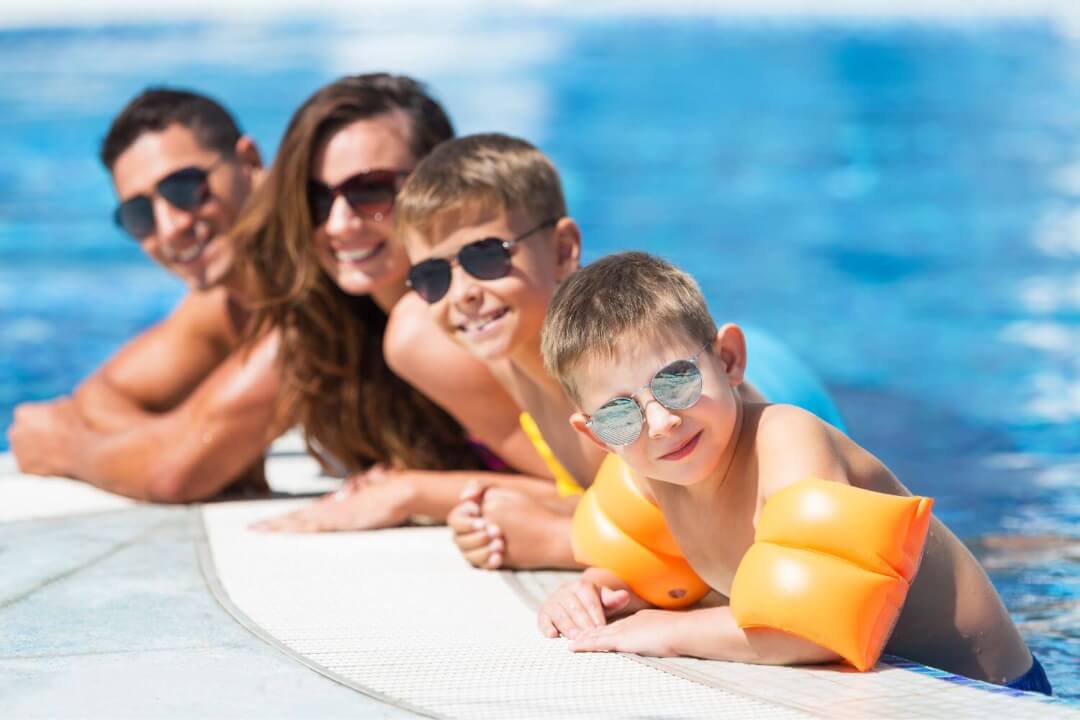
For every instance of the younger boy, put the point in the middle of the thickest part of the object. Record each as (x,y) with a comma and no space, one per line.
(631,332)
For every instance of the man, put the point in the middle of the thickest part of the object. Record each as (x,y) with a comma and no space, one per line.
(181,412)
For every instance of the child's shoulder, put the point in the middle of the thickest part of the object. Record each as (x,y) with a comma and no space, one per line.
(786,424)
(790,444)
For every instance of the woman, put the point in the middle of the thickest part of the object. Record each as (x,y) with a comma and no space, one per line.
(325,272)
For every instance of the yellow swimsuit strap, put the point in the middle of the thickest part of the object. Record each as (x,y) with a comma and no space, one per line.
(564,481)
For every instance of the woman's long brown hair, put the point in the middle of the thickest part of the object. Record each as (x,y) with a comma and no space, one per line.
(336,383)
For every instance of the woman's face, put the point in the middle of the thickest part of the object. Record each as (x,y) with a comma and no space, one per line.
(356,247)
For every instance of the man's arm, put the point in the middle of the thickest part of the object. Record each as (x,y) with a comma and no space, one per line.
(197,449)
(161,367)
(188,453)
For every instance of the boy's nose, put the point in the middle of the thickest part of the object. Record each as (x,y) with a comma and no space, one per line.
(464,291)
(661,420)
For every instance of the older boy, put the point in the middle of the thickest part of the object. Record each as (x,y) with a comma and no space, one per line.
(632,342)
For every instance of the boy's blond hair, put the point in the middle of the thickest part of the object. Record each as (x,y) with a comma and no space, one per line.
(472,174)
(622,294)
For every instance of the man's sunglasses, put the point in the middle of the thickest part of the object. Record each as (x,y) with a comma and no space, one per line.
(185,189)
(486,259)
(676,386)
(370,194)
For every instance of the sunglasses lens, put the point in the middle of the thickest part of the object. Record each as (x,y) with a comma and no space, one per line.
(618,422)
(678,385)
(320,200)
(136,216)
(371,194)
(486,259)
(430,279)
(184,189)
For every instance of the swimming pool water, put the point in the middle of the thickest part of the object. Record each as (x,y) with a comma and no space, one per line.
(898,202)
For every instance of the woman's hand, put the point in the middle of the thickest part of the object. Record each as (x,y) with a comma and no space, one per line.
(377,498)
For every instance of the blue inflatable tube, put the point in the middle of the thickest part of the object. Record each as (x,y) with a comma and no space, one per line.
(778,374)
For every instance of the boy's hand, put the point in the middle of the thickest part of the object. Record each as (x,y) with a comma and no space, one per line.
(479,541)
(646,632)
(579,607)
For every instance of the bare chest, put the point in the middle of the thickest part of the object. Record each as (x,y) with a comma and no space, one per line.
(713,542)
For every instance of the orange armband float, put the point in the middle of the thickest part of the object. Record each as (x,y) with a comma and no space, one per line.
(616,527)
(832,564)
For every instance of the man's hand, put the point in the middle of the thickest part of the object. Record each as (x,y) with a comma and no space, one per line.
(46,437)
(375,499)
(646,632)
(579,607)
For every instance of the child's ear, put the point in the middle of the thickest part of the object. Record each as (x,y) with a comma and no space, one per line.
(730,347)
(567,236)
(579,422)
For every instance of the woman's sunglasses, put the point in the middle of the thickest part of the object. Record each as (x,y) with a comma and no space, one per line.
(370,194)
(486,259)
(186,189)
(676,386)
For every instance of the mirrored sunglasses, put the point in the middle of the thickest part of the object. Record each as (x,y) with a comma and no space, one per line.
(676,386)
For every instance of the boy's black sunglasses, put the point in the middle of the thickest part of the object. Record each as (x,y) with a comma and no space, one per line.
(370,194)
(184,189)
(486,259)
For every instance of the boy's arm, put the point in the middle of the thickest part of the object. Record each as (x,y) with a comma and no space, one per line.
(189,453)
(421,354)
(709,633)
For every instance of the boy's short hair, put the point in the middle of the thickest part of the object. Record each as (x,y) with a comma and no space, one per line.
(622,294)
(154,109)
(475,172)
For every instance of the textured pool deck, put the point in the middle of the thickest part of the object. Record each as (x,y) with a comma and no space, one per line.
(105,613)
(113,609)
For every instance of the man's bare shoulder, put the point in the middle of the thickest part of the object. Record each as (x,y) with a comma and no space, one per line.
(211,316)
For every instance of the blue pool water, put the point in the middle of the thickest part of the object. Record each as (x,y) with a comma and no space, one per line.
(898,202)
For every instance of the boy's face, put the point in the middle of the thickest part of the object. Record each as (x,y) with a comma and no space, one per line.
(493,319)
(190,242)
(683,447)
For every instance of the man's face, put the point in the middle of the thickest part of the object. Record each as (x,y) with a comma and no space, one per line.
(192,243)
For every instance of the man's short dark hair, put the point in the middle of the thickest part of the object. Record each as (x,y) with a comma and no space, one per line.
(154,109)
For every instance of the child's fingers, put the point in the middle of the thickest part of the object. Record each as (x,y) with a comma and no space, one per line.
(577,613)
(561,619)
(467,542)
(463,517)
(599,640)
(613,600)
(546,627)
(473,491)
(590,604)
